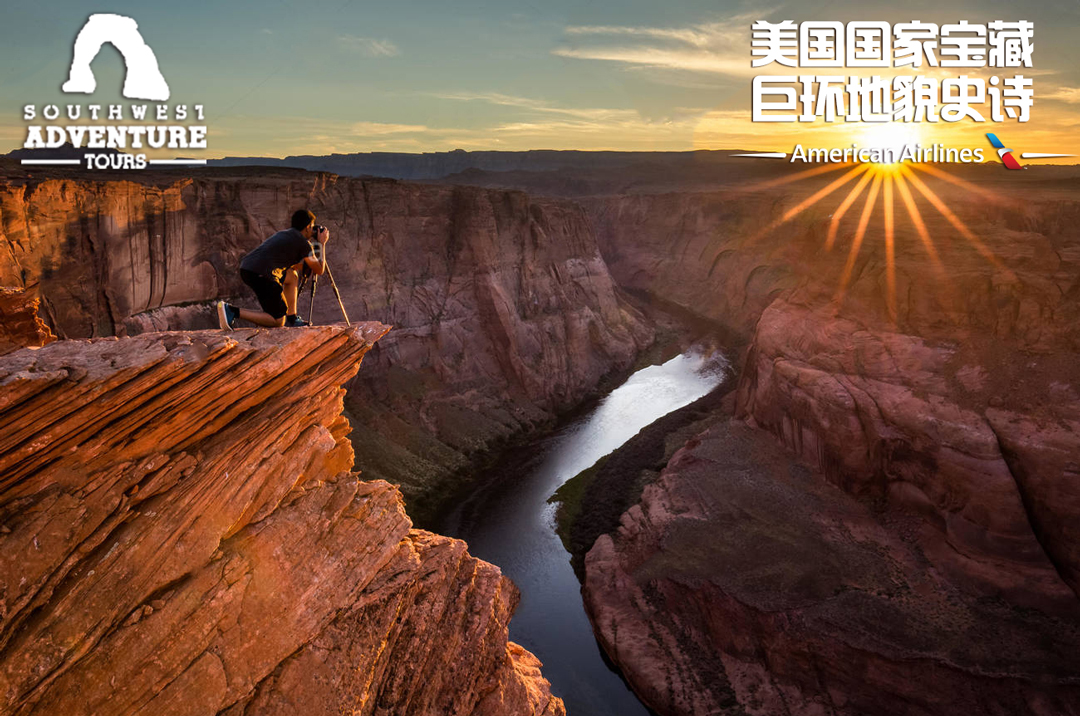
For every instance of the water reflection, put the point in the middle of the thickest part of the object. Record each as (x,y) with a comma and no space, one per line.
(510,523)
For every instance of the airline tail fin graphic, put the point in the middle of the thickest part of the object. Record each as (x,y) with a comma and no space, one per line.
(1006,154)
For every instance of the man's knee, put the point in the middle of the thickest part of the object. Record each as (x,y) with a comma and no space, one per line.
(279,322)
(291,278)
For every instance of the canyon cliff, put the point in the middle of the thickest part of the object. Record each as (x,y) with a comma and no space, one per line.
(504,311)
(880,518)
(915,551)
(182,533)
(20,324)
(439,165)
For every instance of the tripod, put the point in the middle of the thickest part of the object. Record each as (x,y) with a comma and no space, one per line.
(333,284)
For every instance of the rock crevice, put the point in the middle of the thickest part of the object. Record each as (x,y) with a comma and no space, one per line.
(182,534)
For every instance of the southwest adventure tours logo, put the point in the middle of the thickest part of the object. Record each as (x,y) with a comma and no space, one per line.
(111,129)
(891,110)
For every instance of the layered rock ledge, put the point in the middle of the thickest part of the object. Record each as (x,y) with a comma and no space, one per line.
(504,311)
(181,533)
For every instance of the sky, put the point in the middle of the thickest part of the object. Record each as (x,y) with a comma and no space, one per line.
(282,77)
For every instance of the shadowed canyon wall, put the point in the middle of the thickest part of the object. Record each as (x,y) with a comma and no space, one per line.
(929,374)
(503,309)
(20,324)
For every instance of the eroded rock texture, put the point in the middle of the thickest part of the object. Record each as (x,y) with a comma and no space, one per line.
(744,583)
(504,311)
(20,325)
(181,533)
(928,377)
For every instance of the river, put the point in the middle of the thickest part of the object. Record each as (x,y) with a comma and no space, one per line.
(509,522)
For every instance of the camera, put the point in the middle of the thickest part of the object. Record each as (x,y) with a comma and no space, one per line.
(316,245)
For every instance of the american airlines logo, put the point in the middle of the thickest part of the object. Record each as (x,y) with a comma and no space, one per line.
(1007,157)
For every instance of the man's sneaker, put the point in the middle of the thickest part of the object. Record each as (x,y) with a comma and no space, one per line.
(227,315)
(295,322)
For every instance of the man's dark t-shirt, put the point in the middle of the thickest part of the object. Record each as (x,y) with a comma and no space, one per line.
(277,253)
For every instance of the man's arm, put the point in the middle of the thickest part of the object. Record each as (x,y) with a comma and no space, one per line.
(318,266)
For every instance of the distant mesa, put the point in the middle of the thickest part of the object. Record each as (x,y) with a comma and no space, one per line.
(143,79)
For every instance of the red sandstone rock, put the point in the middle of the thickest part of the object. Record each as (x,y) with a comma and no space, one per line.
(957,403)
(182,534)
(725,255)
(948,406)
(504,310)
(20,325)
(874,411)
(742,583)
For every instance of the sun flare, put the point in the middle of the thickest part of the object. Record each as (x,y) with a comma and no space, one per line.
(890,135)
(896,186)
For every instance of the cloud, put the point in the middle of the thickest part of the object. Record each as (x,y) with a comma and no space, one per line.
(266,31)
(584,127)
(689,36)
(378,129)
(1064,94)
(11,137)
(538,124)
(713,47)
(659,57)
(537,105)
(369,46)
(721,47)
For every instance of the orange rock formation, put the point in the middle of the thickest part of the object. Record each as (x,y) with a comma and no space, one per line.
(182,534)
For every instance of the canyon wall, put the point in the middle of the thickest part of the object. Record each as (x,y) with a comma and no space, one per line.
(181,533)
(743,583)
(436,165)
(924,368)
(504,311)
(20,324)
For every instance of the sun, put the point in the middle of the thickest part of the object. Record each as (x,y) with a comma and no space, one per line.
(890,135)
(897,185)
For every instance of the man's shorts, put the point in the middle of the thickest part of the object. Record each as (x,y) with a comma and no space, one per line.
(268,291)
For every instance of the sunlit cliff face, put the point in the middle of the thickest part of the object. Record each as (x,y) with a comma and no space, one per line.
(893,184)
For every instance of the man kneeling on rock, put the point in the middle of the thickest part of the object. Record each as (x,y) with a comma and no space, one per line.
(273,272)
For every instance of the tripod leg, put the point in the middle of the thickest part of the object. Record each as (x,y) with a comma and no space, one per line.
(311,305)
(337,293)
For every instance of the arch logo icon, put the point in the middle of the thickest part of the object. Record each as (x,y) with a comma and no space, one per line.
(114,136)
(144,79)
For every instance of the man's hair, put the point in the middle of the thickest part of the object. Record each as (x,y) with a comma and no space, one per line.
(301,219)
